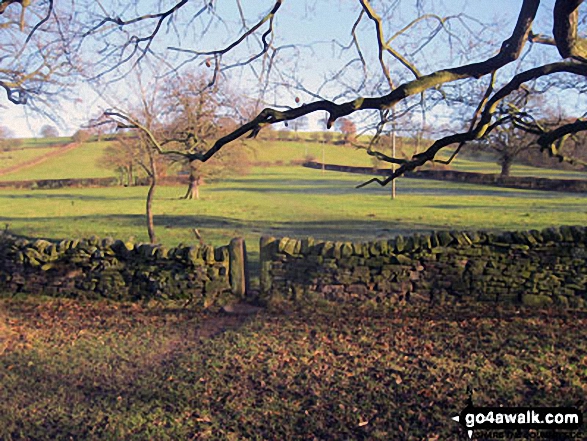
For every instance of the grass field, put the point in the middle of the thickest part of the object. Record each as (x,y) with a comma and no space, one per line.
(98,370)
(286,201)
(283,153)
(44,142)
(488,165)
(81,162)
(71,370)
(15,157)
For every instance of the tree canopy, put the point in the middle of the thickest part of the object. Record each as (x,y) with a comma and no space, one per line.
(396,60)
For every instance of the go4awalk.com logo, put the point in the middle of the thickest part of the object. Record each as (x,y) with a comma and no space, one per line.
(544,422)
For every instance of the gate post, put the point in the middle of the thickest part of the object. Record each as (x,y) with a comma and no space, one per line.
(265,261)
(239,278)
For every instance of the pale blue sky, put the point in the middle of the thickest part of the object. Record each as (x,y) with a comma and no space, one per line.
(300,22)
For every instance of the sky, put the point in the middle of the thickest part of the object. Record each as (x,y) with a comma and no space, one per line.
(300,22)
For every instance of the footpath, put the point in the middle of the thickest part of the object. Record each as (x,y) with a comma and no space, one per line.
(40,159)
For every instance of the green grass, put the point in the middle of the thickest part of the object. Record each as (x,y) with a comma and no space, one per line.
(72,370)
(284,201)
(81,162)
(278,152)
(487,163)
(16,157)
(283,153)
(277,200)
(43,142)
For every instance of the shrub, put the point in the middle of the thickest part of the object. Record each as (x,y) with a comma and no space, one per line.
(81,136)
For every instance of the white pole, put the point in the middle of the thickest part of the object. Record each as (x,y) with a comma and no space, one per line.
(393,156)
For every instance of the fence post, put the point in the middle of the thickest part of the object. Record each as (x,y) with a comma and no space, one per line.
(265,263)
(238,267)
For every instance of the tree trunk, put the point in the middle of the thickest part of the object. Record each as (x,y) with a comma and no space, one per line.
(130,175)
(194,185)
(193,189)
(506,165)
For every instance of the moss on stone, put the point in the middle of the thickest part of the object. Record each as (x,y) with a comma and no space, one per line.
(536,300)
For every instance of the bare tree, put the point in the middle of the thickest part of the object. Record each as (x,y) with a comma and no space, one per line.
(123,155)
(81,136)
(196,114)
(142,146)
(6,140)
(297,125)
(49,131)
(153,174)
(414,67)
(36,59)
(348,130)
(508,142)
(327,137)
(191,114)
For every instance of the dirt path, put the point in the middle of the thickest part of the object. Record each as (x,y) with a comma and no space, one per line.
(40,159)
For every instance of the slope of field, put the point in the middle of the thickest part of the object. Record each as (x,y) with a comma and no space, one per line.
(44,142)
(81,162)
(487,164)
(12,159)
(284,153)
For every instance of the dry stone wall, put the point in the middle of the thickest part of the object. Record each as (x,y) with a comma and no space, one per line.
(51,184)
(115,269)
(523,182)
(539,268)
(55,184)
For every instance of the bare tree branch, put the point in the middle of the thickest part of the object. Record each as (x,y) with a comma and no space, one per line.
(548,140)
(267,18)
(510,50)
(484,123)
(566,19)
(40,23)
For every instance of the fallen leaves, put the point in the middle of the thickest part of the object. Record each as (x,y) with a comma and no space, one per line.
(324,374)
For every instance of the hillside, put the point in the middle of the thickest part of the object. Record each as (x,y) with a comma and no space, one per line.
(78,162)
(49,159)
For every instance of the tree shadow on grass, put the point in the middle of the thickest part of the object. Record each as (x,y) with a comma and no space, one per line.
(404,186)
(356,229)
(66,196)
(118,364)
